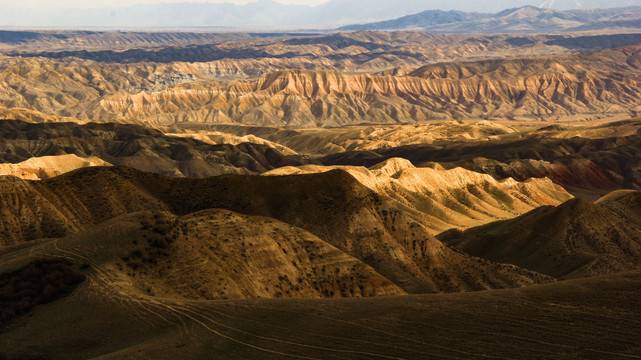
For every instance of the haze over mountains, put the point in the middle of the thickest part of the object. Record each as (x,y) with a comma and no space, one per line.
(527,19)
(263,13)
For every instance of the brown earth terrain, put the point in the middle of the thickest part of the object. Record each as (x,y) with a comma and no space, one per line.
(373,228)
(149,276)
(251,55)
(589,161)
(318,142)
(577,86)
(448,199)
(561,320)
(130,145)
(37,168)
(396,195)
(576,239)
(30,40)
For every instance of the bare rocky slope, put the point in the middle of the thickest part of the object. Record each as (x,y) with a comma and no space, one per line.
(33,40)
(318,259)
(37,168)
(319,142)
(572,87)
(588,161)
(447,199)
(133,145)
(242,55)
(578,238)
(333,206)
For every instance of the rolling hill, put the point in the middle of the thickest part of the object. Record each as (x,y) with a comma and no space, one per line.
(447,199)
(38,168)
(576,239)
(187,194)
(380,231)
(589,161)
(130,145)
(505,324)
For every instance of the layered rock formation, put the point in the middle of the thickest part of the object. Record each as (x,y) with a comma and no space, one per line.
(318,142)
(588,161)
(569,87)
(256,54)
(507,89)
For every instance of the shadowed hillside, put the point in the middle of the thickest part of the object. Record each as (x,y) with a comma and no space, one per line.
(130,145)
(545,321)
(446,199)
(587,161)
(333,206)
(319,142)
(577,238)
(193,194)
(238,55)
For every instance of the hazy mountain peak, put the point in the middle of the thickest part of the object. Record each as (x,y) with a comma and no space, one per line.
(526,18)
(260,13)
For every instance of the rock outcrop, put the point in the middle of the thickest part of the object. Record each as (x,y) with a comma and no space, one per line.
(570,87)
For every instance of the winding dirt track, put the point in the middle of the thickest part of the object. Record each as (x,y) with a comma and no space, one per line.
(590,318)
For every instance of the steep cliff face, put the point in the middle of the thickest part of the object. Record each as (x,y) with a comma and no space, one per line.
(575,86)
(569,84)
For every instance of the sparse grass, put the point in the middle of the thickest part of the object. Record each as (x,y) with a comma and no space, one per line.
(37,283)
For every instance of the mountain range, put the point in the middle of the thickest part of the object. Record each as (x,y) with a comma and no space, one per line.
(263,13)
(175,267)
(590,162)
(527,19)
(43,150)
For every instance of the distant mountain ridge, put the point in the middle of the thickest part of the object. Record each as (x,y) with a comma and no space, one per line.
(436,17)
(527,19)
(261,13)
